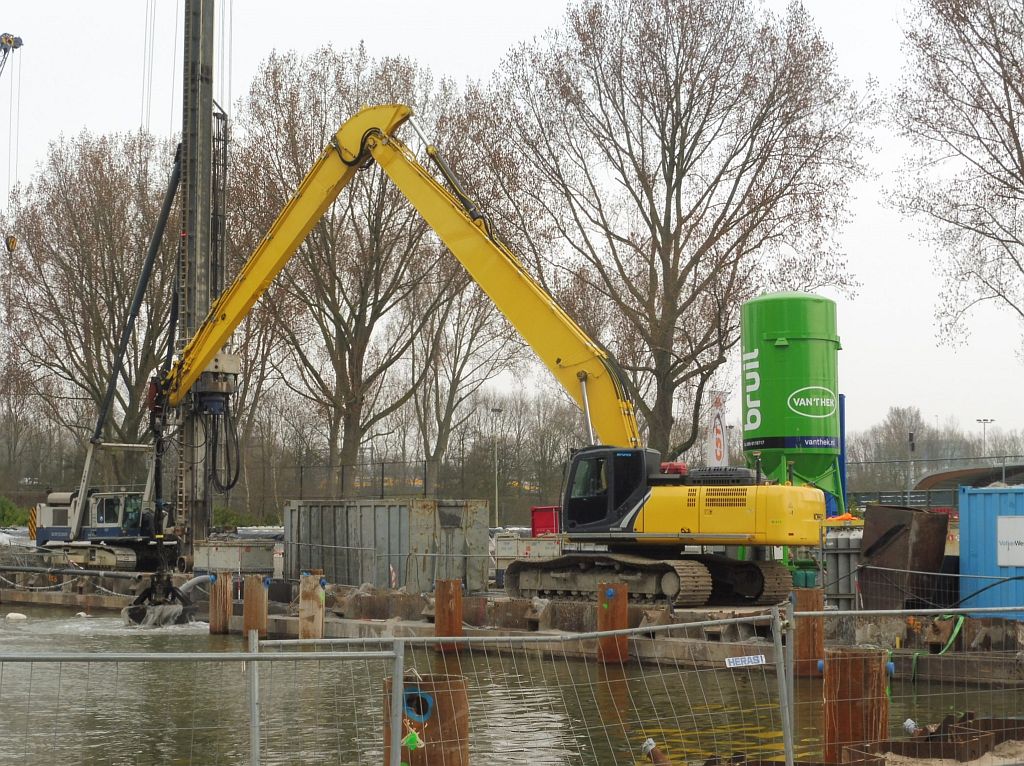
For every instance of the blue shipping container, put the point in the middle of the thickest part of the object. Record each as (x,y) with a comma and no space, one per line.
(992,547)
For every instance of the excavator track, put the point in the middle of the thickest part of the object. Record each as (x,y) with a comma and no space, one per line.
(576,576)
(695,583)
(686,582)
(778,582)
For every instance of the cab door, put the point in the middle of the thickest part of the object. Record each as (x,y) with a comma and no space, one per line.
(106,511)
(604,488)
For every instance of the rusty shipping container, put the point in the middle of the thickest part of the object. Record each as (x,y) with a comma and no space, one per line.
(388,542)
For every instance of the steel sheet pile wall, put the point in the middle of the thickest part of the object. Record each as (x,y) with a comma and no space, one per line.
(992,546)
(898,538)
(405,542)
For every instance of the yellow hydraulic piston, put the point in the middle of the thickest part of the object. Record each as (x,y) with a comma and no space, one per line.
(582,367)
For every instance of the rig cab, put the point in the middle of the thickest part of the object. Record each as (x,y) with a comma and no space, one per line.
(119,531)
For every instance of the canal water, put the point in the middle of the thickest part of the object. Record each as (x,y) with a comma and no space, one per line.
(524,708)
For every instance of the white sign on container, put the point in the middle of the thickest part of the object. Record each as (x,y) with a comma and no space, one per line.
(1010,541)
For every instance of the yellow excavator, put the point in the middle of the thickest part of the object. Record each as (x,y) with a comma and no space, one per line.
(654,525)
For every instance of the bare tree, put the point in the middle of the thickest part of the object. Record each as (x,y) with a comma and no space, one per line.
(364,259)
(84,223)
(464,346)
(667,160)
(896,452)
(258,339)
(19,418)
(960,104)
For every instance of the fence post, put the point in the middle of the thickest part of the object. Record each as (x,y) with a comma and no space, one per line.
(302,471)
(782,674)
(254,701)
(425,479)
(382,478)
(397,703)
(790,618)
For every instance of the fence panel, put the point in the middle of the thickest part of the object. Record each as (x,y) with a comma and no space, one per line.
(188,708)
(547,700)
(528,699)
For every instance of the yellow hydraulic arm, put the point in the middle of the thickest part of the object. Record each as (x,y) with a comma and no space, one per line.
(580,365)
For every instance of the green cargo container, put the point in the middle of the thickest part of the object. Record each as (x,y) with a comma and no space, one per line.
(790,388)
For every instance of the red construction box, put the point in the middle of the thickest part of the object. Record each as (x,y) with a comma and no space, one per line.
(544,520)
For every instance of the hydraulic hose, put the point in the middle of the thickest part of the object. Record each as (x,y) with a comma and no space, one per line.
(140,294)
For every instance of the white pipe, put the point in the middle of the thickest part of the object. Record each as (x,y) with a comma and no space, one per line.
(196,581)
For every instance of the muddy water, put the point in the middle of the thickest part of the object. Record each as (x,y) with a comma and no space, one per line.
(524,709)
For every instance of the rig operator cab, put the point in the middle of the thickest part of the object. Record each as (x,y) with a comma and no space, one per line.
(119,531)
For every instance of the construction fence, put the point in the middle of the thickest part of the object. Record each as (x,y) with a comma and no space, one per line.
(785,686)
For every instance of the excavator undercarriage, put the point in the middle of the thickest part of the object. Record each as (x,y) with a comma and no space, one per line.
(692,581)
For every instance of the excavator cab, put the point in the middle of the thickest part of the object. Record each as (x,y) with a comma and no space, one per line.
(605,486)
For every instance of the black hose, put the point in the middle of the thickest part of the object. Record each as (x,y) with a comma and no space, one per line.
(140,294)
(231,467)
(361,155)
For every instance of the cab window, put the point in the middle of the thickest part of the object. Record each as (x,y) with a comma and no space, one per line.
(108,510)
(630,476)
(590,479)
(132,512)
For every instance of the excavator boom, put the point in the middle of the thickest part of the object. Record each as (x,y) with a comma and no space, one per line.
(580,365)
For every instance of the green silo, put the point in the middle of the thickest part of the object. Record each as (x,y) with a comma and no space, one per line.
(790,388)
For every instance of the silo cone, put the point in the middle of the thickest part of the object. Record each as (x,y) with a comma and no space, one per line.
(435,721)
(789,384)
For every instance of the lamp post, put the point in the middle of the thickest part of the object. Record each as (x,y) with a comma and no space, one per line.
(984,433)
(494,433)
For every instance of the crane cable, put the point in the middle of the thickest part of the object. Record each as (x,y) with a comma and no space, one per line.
(148,48)
(9,43)
(226,462)
(174,68)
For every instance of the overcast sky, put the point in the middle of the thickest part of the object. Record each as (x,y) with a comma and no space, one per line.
(82,66)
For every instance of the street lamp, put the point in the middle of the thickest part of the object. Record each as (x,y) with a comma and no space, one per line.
(494,429)
(984,426)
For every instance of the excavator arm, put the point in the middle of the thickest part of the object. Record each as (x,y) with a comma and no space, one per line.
(581,366)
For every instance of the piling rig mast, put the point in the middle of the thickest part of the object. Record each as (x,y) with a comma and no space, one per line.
(202,423)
